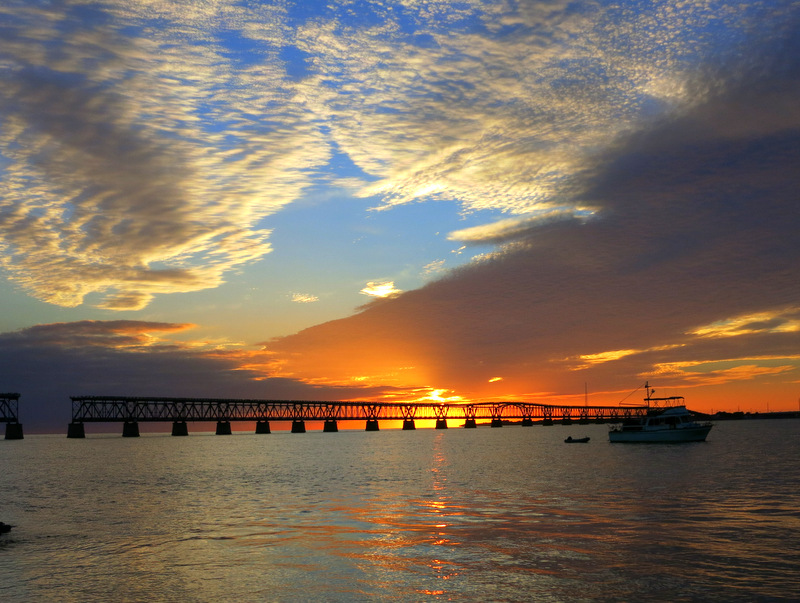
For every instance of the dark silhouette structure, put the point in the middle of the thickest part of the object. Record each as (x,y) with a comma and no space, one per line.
(132,410)
(9,414)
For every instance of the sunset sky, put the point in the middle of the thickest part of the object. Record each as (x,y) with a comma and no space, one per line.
(400,200)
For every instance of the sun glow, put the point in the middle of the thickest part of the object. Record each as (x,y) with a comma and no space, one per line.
(382,289)
(436,396)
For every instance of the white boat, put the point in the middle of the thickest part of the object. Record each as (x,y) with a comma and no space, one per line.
(666,420)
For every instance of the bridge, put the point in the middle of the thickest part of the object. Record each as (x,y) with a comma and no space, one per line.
(9,414)
(130,411)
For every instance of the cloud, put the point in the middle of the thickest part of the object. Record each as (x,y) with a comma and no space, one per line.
(380,289)
(503,230)
(304,298)
(141,160)
(433,268)
(503,106)
(779,321)
(695,225)
(112,334)
(136,161)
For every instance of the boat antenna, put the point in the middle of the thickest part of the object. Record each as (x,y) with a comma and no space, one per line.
(649,391)
(630,394)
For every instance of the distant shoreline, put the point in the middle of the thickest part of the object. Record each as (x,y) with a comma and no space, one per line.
(740,415)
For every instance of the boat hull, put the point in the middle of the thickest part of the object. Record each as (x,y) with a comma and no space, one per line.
(660,436)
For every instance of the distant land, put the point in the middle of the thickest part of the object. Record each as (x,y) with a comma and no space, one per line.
(717,416)
(740,415)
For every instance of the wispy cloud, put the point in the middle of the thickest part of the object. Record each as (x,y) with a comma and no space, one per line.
(433,268)
(779,321)
(142,151)
(140,161)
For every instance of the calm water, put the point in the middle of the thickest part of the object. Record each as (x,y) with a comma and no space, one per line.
(507,514)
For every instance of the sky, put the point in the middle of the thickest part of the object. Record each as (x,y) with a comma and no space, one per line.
(376,200)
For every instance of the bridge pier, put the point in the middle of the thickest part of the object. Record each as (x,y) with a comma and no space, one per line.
(76,430)
(408,425)
(441,423)
(527,422)
(130,429)
(470,424)
(14,431)
(262,427)
(224,428)
(298,426)
(497,422)
(330,426)
(179,428)
(372,425)
(547,422)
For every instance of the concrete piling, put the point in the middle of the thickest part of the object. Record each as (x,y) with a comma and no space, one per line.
(14,431)
(75,430)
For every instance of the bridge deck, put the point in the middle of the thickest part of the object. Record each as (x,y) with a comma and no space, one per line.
(153,409)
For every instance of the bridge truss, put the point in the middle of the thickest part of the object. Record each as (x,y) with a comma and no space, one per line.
(9,414)
(130,410)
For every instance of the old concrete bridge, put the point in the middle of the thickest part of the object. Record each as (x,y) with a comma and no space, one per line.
(130,411)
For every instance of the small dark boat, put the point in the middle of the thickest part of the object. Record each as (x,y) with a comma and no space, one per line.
(571,440)
(5,528)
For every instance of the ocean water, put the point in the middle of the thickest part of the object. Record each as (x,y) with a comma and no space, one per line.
(510,514)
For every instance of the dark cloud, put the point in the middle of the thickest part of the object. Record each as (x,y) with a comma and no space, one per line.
(47,364)
(697,224)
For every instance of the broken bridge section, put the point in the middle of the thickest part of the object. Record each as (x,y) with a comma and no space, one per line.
(130,411)
(9,414)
